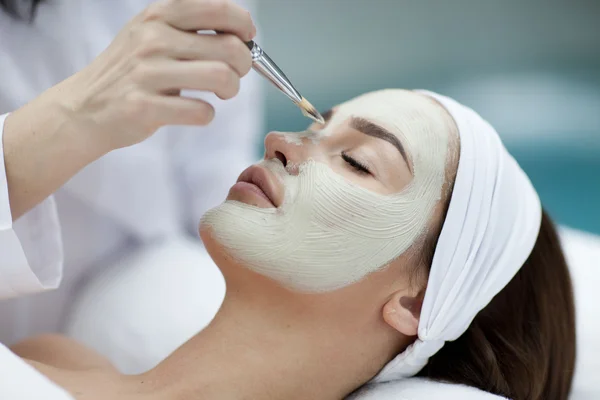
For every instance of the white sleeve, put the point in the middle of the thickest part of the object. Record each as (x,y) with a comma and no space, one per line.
(31,255)
(21,381)
(208,161)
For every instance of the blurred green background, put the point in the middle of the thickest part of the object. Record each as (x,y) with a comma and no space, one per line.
(531,68)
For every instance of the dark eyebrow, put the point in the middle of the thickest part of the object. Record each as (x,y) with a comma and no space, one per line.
(371,129)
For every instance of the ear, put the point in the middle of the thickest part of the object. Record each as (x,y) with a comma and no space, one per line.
(402,312)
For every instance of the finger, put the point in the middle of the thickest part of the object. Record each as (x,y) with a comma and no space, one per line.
(196,15)
(212,76)
(177,110)
(192,46)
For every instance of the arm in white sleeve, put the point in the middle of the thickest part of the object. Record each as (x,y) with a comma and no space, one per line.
(31,248)
(19,380)
(209,161)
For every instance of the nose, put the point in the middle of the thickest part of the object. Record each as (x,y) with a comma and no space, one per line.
(291,151)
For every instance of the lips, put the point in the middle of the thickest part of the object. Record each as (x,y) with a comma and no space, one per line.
(264,180)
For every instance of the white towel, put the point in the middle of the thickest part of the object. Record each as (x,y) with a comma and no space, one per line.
(491,227)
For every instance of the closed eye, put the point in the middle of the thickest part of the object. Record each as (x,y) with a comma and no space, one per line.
(360,168)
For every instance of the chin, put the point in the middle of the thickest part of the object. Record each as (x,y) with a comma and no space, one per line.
(239,234)
(213,247)
(205,232)
(210,229)
(207,235)
(220,254)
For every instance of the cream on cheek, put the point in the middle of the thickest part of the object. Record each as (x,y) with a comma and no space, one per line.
(330,233)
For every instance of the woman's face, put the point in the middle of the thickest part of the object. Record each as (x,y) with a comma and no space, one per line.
(338,201)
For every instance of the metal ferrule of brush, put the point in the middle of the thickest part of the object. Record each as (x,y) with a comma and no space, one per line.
(263,64)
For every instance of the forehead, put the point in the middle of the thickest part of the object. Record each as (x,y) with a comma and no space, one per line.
(416,119)
(391,107)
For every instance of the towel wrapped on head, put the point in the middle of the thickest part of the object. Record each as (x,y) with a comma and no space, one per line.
(492,224)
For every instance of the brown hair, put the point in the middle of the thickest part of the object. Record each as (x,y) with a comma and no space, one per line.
(522,344)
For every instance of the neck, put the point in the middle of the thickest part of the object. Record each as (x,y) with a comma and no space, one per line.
(258,348)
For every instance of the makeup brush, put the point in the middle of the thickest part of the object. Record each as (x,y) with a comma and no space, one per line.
(263,64)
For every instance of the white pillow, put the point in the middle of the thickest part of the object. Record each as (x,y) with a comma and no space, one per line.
(141,309)
(583,255)
(420,389)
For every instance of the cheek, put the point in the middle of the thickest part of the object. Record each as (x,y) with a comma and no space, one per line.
(400,178)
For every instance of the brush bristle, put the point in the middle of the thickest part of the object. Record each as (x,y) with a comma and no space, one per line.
(310,111)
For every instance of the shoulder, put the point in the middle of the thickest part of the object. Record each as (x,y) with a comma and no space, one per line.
(420,389)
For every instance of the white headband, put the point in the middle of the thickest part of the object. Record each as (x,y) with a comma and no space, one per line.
(491,227)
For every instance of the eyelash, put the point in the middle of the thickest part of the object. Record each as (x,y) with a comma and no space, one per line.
(360,168)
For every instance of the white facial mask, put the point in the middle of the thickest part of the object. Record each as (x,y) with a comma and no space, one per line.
(329,232)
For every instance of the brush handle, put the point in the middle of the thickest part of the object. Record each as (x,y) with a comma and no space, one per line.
(263,64)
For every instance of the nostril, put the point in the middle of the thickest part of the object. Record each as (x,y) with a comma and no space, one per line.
(281,157)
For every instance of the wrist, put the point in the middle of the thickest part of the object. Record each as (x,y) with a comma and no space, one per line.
(44,146)
(68,101)
(50,124)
